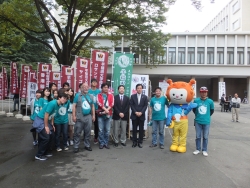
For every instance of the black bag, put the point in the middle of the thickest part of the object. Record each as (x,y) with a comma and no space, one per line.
(100,112)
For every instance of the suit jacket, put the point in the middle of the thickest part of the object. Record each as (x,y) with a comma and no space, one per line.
(121,108)
(135,107)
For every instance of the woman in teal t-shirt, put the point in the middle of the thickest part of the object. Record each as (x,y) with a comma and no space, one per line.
(71,122)
(45,98)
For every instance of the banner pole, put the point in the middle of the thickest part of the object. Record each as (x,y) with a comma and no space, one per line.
(2,112)
(90,75)
(112,71)
(9,114)
(19,115)
(26,117)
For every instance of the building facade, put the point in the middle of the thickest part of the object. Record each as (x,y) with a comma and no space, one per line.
(233,18)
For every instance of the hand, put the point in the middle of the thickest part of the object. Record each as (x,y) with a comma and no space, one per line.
(47,129)
(139,114)
(106,111)
(54,128)
(74,118)
(93,118)
(121,115)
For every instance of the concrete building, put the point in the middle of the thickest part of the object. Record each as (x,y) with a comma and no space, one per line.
(233,18)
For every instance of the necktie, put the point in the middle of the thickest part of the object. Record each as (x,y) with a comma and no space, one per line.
(121,99)
(139,98)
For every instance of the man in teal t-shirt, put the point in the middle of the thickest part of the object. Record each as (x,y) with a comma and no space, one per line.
(157,115)
(202,120)
(45,128)
(95,91)
(83,113)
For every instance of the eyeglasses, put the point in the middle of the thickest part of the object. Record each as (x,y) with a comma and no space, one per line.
(203,89)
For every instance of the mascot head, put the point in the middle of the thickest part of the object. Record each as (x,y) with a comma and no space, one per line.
(180,92)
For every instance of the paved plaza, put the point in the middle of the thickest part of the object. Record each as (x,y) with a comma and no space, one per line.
(227,164)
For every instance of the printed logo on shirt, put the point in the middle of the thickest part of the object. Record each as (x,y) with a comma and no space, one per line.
(70,108)
(37,109)
(85,105)
(202,109)
(62,111)
(157,106)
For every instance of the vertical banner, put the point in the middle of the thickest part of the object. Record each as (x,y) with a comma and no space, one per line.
(32,87)
(56,78)
(1,86)
(24,80)
(43,75)
(67,75)
(222,89)
(5,82)
(33,76)
(122,74)
(144,80)
(99,66)
(14,87)
(82,70)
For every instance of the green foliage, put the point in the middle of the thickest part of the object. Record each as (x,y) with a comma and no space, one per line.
(70,23)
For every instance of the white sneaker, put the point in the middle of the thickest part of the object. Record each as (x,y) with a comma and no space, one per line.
(205,153)
(71,143)
(58,149)
(196,152)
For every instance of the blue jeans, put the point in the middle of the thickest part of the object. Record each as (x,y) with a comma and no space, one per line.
(104,129)
(158,125)
(64,129)
(201,130)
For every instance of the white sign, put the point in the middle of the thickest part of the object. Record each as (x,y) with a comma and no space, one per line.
(164,86)
(32,87)
(144,80)
(222,89)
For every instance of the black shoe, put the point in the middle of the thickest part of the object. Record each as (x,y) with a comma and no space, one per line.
(76,150)
(88,148)
(140,145)
(107,146)
(134,145)
(115,144)
(48,155)
(123,144)
(100,147)
(153,145)
(41,158)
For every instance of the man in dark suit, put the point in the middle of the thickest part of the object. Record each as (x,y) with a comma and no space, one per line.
(120,116)
(138,104)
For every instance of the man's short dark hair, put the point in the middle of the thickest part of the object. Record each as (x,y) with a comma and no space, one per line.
(62,94)
(104,84)
(80,85)
(137,85)
(157,88)
(39,91)
(121,86)
(65,84)
(93,80)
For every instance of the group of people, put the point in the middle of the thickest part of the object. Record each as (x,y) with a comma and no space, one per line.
(233,105)
(57,113)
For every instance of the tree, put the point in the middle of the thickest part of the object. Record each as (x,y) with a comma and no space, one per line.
(138,20)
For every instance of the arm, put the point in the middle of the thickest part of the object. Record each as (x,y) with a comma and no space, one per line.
(150,113)
(74,112)
(46,122)
(211,111)
(145,106)
(190,107)
(131,102)
(126,109)
(93,112)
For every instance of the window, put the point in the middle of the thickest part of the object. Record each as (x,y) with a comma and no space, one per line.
(136,55)
(226,22)
(220,55)
(171,55)
(181,55)
(248,56)
(191,55)
(159,56)
(210,55)
(236,6)
(236,25)
(240,56)
(230,56)
(200,55)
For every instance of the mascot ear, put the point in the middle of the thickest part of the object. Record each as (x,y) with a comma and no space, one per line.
(170,82)
(191,82)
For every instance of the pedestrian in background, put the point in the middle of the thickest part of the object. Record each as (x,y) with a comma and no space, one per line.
(235,107)
(16,102)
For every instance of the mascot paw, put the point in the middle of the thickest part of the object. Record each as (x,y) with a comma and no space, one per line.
(181,149)
(173,148)
(171,126)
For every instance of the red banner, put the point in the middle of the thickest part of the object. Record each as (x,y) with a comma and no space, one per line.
(33,76)
(56,78)
(24,80)
(67,74)
(1,86)
(43,75)
(14,87)
(99,66)
(82,70)
(5,82)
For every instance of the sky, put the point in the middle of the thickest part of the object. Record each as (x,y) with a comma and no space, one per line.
(183,17)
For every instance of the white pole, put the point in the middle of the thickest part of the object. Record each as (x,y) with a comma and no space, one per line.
(2,112)
(112,71)
(26,117)
(9,114)
(19,115)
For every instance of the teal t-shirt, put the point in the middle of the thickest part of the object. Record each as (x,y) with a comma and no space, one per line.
(94,93)
(42,102)
(70,108)
(158,108)
(36,110)
(202,113)
(86,108)
(51,108)
(61,116)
